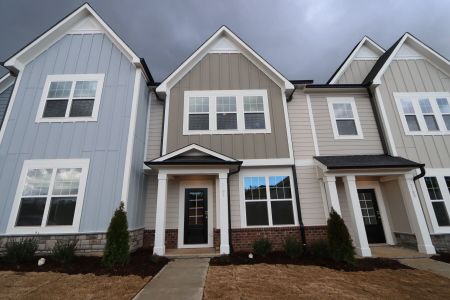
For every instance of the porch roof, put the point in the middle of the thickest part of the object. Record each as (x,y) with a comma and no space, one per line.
(366,162)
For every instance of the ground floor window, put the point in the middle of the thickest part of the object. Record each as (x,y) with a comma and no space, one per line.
(268,200)
(49,196)
(438,188)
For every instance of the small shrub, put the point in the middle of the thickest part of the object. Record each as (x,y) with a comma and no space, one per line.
(117,250)
(155,258)
(20,251)
(64,251)
(339,241)
(262,247)
(319,249)
(293,247)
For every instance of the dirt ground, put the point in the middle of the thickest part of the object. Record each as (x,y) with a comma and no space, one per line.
(50,285)
(294,282)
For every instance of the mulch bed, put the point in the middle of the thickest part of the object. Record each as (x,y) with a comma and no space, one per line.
(444,257)
(141,263)
(362,264)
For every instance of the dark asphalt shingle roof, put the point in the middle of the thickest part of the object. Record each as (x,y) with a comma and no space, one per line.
(366,162)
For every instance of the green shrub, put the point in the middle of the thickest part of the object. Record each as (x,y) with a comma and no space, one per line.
(262,247)
(319,249)
(20,251)
(293,247)
(339,241)
(64,251)
(117,251)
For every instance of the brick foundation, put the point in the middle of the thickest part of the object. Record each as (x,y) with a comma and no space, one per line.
(171,238)
(407,240)
(93,243)
(441,242)
(216,239)
(315,233)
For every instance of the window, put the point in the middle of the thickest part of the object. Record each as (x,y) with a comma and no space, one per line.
(226,112)
(69,98)
(424,113)
(268,201)
(49,196)
(344,118)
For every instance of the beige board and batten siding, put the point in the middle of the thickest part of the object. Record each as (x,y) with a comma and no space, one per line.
(154,128)
(415,76)
(356,72)
(229,71)
(328,145)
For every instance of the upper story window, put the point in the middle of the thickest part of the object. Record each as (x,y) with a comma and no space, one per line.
(424,113)
(226,112)
(70,98)
(49,196)
(344,118)
(437,184)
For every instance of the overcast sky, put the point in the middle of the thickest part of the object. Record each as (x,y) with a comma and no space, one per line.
(302,39)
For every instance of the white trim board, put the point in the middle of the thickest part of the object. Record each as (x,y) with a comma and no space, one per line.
(197,148)
(344,100)
(49,164)
(10,107)
(5,82)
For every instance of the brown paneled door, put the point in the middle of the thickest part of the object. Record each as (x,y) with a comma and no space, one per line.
(371,216)
(196,216)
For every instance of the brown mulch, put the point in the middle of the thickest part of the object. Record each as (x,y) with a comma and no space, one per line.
(274,281)
(140,264)
(444,257)
(363,264)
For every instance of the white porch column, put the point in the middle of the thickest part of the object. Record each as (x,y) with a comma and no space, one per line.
(159,247)
(223,192)
(361,243)
(332,195)
(415,214)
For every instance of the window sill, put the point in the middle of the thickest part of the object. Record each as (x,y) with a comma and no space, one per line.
(267,226)
(349,137)
(422,133)
(220,132)
(41,230)
(65,120)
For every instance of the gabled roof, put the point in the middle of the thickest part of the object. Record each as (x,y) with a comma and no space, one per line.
(193,155)
(365,41)
(374,76)
(223,40)
(366,162)
(5,82)
(83,19)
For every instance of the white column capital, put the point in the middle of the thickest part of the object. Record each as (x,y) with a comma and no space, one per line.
(349,178)
(223,175)
(328,178)
(162,176)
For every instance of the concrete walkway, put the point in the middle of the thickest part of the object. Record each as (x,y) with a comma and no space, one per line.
(428,264)
(180,279)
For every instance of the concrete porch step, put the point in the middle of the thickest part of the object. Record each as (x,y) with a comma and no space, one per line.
(192,253)
(394,252)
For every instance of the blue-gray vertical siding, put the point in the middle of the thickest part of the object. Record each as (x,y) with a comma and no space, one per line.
(136,199)
(4,100)
(104,142)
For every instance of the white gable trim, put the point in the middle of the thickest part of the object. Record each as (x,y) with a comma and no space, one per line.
(5,82)
(366,41)
(194,147)
(432,56)
(211,44)
(74,21)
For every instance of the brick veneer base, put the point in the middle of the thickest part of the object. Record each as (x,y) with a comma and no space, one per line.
(171,238)
(407,240)
(441,242)
(92,243)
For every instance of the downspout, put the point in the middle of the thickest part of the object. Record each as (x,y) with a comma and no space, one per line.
(421,174)
(230,240)
(377,120)
(297,200)
(289,99)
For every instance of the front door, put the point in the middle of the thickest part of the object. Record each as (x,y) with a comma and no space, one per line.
(371,216)
(196,216)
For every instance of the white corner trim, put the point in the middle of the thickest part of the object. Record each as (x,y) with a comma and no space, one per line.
(266,173)
(73,78)
(203,50)
(131,137)
(351,101)
(147,126)
(288,125)
(51,164)
(240,111)
(313,125)
(10,106)
(208,185)
(194,147)
(353,56)
(385,122)
(166,123)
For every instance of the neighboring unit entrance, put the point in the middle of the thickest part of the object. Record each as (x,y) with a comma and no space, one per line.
(371,216)
(196,216)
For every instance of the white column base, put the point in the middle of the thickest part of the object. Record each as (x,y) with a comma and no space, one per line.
(426,249)
(224,249)
(363,252)
(159,250)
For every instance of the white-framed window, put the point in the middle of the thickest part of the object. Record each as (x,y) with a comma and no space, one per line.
(226,112)
(49,196)
(70,98)
(424,113)
(437,198)
(267,199)
(344,118)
